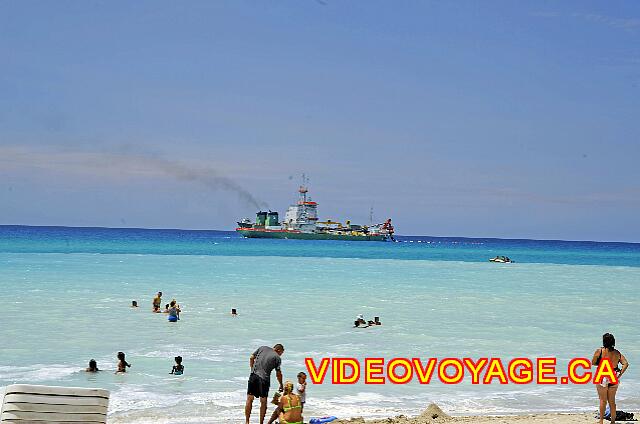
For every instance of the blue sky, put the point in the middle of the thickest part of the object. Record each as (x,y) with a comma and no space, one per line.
(494,119)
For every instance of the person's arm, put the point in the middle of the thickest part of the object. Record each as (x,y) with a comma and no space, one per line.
(625,364)
(280,408)
(596,355)
(279,377)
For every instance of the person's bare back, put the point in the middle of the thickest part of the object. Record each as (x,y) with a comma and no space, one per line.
(291,409)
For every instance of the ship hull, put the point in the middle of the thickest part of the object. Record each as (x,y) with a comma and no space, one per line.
(297,235)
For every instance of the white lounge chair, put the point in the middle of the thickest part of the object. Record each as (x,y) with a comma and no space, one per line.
(25,403)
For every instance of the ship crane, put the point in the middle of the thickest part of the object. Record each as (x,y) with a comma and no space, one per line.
(389,228)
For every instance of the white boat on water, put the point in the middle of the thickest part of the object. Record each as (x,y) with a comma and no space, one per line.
(501,260)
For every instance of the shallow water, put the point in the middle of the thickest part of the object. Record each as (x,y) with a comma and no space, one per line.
(67,294)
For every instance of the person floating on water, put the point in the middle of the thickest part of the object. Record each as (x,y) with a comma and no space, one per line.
(122,363)
(134,304)
(360,321)
(157,301)
(178,368)
(93,366)
(264,360)
(289,408)
(234,313)
(606,389)
(376,321)
(166,309)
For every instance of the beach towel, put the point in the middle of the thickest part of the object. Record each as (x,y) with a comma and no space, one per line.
(620,415)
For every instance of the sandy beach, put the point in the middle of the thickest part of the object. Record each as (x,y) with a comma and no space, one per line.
(433,415)
(543,418)
(523,419)
(424,418)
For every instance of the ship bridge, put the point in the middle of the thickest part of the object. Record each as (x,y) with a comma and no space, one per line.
(303,215)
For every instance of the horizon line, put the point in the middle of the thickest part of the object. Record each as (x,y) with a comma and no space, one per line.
(234,232)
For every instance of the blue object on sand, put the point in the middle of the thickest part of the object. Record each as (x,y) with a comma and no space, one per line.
(322,420)
(172,318)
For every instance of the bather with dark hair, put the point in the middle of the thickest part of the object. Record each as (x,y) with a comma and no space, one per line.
(606,388)
(122,363)
(93,366)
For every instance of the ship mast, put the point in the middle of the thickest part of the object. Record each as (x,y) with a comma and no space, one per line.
(303,189)
(302,203)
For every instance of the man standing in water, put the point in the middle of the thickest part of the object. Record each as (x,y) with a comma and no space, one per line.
(262,362)
(157,301)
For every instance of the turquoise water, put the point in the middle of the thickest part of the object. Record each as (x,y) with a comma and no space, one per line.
(67,293)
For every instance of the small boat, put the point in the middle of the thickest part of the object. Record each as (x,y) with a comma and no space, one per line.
(501,260)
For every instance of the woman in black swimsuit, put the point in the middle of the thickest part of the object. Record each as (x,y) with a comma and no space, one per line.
(606,389)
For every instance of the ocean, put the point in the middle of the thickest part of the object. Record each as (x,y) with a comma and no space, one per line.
(67,293)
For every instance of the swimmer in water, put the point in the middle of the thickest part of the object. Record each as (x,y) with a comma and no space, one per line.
(122,363)
(178,368)
(174,311)
(93,366)
(157,301)
(360,322)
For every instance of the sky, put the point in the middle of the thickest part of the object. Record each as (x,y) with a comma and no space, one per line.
(464,118)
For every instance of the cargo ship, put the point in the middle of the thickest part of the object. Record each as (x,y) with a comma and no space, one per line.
(301,222)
